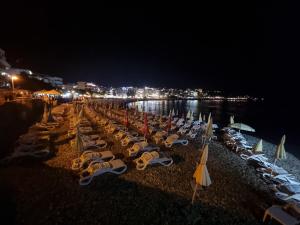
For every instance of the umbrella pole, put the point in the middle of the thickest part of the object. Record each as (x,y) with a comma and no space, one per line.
(194,194)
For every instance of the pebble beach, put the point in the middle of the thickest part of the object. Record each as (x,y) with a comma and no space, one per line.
(47,191)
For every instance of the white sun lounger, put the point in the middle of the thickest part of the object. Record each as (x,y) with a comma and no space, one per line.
(159,136)
(99,144)
(138,147)
(276,212)
(280,179)
(88,156)
(259,157)
(174,139)
(121,134)
(149,158)
(129,139)
(98,168)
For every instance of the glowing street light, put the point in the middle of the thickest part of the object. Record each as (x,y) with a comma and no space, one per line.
(12,84)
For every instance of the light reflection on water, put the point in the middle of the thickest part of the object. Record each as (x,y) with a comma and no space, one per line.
(220,110)
(265,118)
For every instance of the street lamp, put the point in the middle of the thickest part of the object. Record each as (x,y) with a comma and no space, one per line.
(12,84)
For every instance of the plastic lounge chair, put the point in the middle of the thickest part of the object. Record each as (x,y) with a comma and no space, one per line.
(289,189)
(275,170)
(259,157)
(276,212)
(85,130)
(182,130)
(86,144)
(88,156)
(192,134)
(149,158)
(113,129)
(121,134)
(180,122)
(280,179)
(129,139)
(174,139)
(138,147)
(159,136)
(295,198)
(96,168)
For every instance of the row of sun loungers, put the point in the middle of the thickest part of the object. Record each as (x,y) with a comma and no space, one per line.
(285,186)
(36,142)
(99,161)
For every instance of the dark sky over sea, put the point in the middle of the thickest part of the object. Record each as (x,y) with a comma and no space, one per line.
(245,48)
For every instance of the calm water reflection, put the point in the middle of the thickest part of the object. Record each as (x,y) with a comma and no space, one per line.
(267,119)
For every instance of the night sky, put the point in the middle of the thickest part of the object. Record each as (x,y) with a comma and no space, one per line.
(237,48)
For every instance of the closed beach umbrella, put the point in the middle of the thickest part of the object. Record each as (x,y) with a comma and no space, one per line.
(145,128)
(45,114)
(126,119)
(201,174)
(204,118)
(142,116)
(169,124)
(209,116)
(188,115)
(242,126)
(173,112)
(200,118)
(209,129)
(231,119)
(280,150)
(160,118)
(258,148)
(78,142)
(177,114)
(192,116)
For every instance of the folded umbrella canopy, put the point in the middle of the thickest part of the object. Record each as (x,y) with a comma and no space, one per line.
(280,150)
(209,129)
(126,122)
(258,148)
(200,118)
(173,112)
(201,174)
(209,116)
(231,119)
(188,115)
(242,126)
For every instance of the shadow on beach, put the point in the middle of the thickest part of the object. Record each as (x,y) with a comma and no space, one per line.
(15,119)
(45,195)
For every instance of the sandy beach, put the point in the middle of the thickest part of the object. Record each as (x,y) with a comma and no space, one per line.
(47,192)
